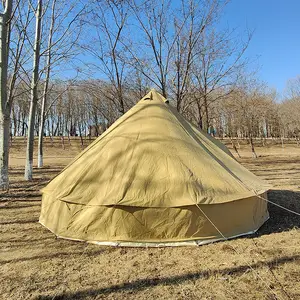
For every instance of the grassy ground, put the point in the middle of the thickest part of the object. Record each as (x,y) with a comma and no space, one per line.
(36,265)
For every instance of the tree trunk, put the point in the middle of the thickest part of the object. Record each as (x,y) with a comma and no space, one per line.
(200,118)
(163,89)
(200,122)
(234,147)
(34,93)
(48,125)
(30,141)
(63,142)
(252,147)
(41,136)
(51,140)
(206,114)
(24,126)
(44,101)
(18,123)
(14,122)
(4,151)
(80,134)
(5,106)
(56,130)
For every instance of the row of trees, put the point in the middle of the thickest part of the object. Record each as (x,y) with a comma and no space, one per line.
(69,65)
(78,107)
(37,38)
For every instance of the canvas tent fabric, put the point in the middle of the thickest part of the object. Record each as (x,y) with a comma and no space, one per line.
(154,178)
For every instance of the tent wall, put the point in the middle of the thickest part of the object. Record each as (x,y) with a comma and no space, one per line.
(153,224)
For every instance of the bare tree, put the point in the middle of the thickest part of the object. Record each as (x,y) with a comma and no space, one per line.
(246,110)
(107,49)
(46,86)
(219,62)
(152,54)
(5,108)
(292,89)
(62,39)
(289,112)
(196,17)
(34,91)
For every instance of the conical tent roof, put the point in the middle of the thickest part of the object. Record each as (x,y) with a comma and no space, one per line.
(153,177)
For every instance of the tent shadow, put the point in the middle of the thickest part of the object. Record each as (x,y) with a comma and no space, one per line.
(63,254)
(144,284)
(280,219)
(14,222)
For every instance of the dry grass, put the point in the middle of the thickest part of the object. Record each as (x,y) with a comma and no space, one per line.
(36,265)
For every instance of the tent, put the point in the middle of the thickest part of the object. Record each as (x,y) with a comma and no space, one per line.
(153,178)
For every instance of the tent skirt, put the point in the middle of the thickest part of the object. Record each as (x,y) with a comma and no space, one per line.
(154,226)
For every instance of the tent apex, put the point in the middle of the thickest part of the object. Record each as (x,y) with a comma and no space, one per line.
(155,95)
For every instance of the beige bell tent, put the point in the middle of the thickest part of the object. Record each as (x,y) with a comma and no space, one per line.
(154,179)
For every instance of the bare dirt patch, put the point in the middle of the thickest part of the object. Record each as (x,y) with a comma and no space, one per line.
(36,265)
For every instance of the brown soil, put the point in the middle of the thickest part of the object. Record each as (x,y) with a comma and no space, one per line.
(36,265)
